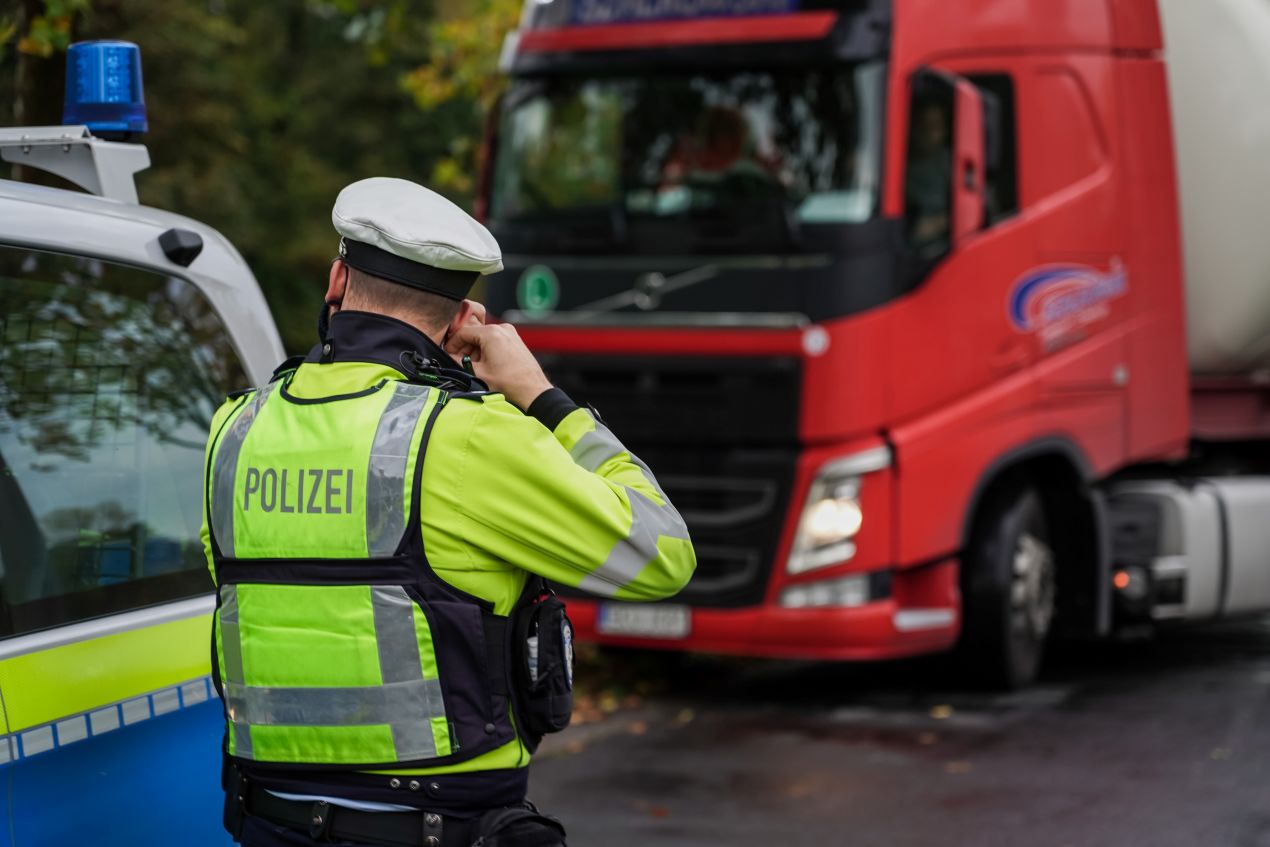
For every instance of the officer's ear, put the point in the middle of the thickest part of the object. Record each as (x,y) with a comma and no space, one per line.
(468,313)
(337,284)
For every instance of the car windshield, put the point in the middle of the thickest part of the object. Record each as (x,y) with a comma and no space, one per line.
(692,146)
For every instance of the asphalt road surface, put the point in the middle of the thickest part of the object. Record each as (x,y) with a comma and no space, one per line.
(1161,743)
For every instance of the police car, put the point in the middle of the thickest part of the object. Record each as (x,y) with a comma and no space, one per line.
(122,328)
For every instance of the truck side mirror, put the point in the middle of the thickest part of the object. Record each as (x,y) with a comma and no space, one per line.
(969,162)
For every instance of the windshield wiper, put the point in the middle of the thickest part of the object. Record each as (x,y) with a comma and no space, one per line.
(649,288)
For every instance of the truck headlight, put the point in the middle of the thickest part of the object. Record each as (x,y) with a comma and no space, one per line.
(832,516)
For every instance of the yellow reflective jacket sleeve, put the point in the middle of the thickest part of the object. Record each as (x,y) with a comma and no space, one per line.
(569,503)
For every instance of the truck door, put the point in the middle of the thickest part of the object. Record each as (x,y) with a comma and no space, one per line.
(109,376)
(964,267)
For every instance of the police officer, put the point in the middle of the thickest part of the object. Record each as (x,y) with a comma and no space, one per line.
(379,522)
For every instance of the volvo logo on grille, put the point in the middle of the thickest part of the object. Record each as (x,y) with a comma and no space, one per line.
(648,290)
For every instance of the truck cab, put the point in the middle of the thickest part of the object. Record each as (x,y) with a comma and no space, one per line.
(124,327)
(890,292)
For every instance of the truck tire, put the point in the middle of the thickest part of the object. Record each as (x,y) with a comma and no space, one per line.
(1008,597)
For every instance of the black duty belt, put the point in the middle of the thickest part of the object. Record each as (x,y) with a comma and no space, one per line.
(328,822)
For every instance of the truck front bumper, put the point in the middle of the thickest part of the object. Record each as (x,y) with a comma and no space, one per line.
(922,615)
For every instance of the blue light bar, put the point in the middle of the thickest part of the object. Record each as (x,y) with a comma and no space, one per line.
(103,88)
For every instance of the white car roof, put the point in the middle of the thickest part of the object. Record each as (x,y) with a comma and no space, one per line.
(64,221)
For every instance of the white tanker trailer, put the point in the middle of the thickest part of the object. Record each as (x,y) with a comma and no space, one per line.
(1193,543)
(1218,64)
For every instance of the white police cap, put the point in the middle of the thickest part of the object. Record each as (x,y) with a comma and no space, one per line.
(398,230)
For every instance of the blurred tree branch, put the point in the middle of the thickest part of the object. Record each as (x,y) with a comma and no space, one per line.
(260,112)
(34,33)
(463,69)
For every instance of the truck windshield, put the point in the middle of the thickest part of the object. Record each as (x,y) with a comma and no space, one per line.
(800,146)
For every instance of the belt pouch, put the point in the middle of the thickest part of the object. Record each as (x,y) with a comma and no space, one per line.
(542,652)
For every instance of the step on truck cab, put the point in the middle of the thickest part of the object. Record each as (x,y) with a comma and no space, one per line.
(122,329)
(892,294)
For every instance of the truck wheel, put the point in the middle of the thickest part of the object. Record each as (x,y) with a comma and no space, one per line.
(1008,589)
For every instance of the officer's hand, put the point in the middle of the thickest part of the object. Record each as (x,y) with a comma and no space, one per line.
(502,360)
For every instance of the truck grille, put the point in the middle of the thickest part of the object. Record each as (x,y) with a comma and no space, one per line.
(686,400)
(721,436)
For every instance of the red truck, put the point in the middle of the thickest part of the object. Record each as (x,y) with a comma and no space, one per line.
(891,293)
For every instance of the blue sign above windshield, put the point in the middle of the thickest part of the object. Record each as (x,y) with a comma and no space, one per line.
(631,11)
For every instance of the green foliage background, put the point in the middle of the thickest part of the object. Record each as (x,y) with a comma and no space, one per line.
(261,111)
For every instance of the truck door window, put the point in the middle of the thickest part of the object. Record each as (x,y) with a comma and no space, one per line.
(928,169)
(1002,177)
(109,376)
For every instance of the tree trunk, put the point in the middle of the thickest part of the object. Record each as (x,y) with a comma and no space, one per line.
(39,85)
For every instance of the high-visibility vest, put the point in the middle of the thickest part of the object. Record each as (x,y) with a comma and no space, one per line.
(336,643)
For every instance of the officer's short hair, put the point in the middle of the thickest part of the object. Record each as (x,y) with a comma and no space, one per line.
(373,294)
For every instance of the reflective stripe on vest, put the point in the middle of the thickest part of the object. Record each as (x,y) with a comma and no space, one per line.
(225,470)
(332,672)
(231,658)
(386,486)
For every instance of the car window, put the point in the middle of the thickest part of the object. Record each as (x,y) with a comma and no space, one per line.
(109,376)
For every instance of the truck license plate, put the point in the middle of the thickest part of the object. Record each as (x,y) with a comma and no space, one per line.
(648,621)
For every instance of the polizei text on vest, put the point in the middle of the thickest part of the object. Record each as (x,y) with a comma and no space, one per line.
(322,491)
